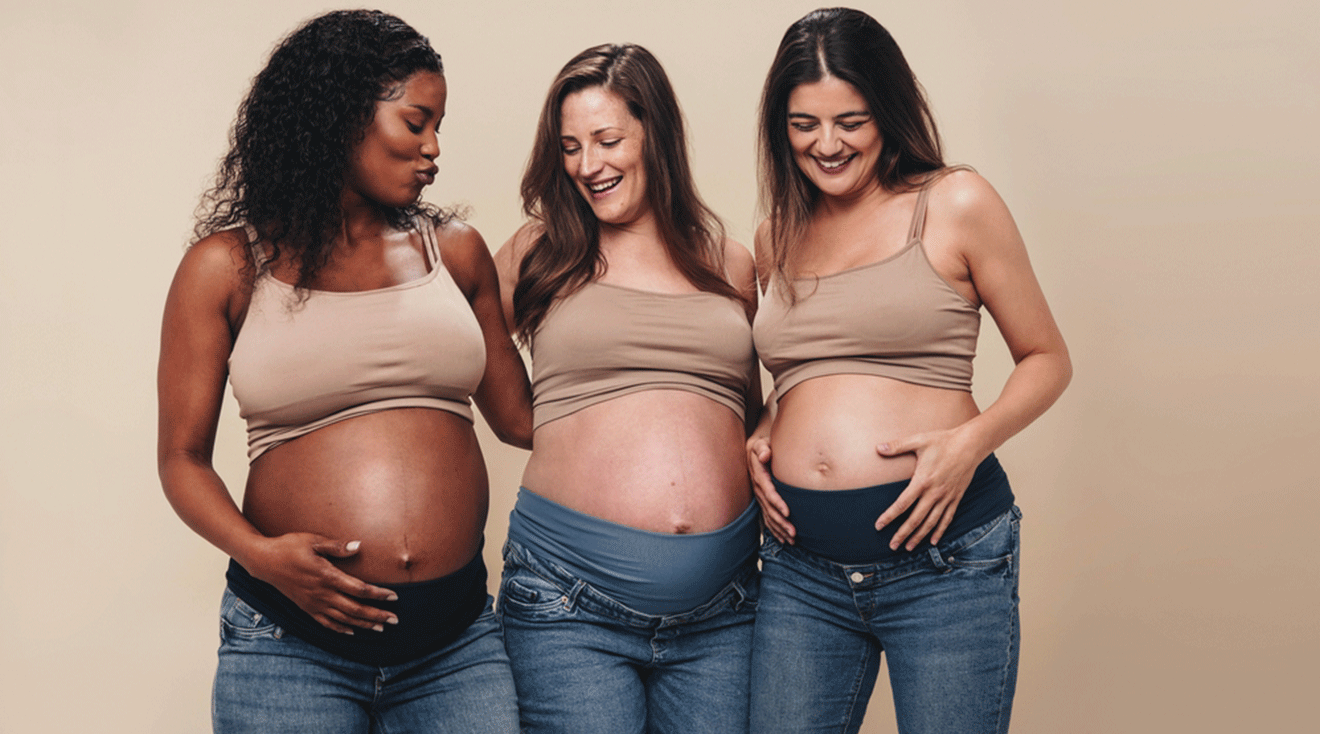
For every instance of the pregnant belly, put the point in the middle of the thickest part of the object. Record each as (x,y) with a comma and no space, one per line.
(409,485)
(827,429)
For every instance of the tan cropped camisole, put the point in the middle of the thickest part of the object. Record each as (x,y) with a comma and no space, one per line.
(605,341)
(894,318)
(297,367)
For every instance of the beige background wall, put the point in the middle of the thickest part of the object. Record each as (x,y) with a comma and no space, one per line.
(1160,158)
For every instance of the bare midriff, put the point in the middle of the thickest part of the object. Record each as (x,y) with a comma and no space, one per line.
(827,429)
(410,484)
(666,461)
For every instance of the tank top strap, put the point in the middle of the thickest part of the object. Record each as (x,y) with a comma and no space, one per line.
(259,256)
(919,211)
(919,214)
(427,230)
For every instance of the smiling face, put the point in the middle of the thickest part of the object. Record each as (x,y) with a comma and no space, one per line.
(602,147)
(395,159)
(836,142)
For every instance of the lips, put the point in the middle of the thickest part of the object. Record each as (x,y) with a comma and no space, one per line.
(833,165)
(427,175)
(602,188)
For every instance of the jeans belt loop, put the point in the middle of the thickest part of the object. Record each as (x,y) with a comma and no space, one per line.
(938,560)
(571,600)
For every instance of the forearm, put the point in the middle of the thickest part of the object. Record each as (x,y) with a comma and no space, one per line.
(767,418)
(1034,385)
(200,499)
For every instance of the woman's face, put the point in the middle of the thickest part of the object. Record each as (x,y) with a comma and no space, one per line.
(602,145)
(395,159)
(834,137)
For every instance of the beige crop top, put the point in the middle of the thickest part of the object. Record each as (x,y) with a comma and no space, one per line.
(605,341)
(337,355)
(895,318)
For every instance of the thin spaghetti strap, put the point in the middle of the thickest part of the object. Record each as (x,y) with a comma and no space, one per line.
(258,252)
(427,230)
(919,211)
(919,214)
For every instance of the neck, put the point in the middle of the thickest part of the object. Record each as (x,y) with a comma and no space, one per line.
(841,206)
(361,219)
(640,232)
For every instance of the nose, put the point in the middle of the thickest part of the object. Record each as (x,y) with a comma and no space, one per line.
(431,146)
(829,143)
(590,162)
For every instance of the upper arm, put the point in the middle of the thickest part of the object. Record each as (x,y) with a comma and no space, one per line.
(741,267)
(504,395)
(508,260)
(761,248)
(197,335)
(996,262)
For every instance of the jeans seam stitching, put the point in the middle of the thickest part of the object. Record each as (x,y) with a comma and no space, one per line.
(857,686)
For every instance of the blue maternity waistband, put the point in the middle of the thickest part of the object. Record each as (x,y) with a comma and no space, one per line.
(653,573)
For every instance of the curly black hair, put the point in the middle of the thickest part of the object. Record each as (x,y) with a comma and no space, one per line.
(291,142)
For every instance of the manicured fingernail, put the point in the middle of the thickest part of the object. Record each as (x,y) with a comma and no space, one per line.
(353,545)
(392,620)
(392,597)
(348,632)
(378,627)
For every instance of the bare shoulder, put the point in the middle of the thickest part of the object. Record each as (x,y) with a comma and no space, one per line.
(464,253)
(459,239)
(966,197)
(210,280)
(761,250)
(740,264)
(510,256)
(216,262)
(761,241)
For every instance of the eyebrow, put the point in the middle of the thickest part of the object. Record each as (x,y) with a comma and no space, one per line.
(854,113)
(594,133)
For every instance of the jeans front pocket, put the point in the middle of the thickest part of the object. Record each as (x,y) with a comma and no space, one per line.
(239,621)
(525,593)
(749,592)
(991,548)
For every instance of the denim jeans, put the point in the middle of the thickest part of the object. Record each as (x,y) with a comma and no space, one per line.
(269,681)
(946,616)
(586,664)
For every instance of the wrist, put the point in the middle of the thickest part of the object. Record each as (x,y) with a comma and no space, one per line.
(252,552)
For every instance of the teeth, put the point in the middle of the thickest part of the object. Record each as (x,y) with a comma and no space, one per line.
(599,187)
(827,165)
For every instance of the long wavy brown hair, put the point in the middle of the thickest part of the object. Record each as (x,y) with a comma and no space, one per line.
(566,255)
(851,46)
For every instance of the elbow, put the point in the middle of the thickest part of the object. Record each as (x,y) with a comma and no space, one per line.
(1065,370)
(518,439)
(516,433)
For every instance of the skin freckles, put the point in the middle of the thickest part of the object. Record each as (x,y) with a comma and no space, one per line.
(602,145)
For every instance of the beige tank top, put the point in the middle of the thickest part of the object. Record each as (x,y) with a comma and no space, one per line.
(606,341)
(894,318)
(297,367)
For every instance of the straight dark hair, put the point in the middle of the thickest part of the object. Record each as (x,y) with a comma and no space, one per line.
(851,46)
(566,255)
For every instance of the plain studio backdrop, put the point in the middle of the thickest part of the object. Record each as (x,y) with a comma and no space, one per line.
(1160,159)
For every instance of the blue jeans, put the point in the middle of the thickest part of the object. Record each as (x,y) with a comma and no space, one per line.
(946,616)
(586,664)
(271,682)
